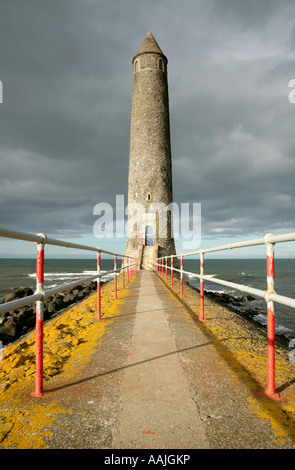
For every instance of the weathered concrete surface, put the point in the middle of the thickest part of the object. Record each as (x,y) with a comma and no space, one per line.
(149,375)
(157,409)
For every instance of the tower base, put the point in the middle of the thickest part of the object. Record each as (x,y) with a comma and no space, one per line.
(165,247)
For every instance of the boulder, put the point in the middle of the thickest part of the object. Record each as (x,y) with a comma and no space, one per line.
(22,316)
(3,317)
(225,298)
(248,298)
(17,293)
(235,302)
(252,312)
(59,301)
(87,291)
(68,299)
(51,307)
(8,331)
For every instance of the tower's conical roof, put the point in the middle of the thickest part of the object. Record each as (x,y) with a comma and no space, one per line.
(149,45)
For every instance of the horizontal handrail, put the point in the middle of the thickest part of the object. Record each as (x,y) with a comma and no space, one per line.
(40,295)
(281,299)
(268,238)
(29,299)
(269,295)
(41,238)
(18,303)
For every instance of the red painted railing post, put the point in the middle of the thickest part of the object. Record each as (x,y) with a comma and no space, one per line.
(115,280)
(39,319)
(181,277)
(166,271)
(139,258)
(123,274)
(171,272)
(98,286)
(270,389)
(128,271)
(201,318)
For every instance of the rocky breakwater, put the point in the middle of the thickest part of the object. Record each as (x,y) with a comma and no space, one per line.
(245,307)
(239,305)
(20,321)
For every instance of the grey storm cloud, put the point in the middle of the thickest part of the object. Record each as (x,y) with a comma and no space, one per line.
(64,123)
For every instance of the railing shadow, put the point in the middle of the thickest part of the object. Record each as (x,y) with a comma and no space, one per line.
(253,385)
(118,369)
(284,386)
(132,314)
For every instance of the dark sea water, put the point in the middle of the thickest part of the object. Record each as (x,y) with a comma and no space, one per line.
(22,272)
(251,272)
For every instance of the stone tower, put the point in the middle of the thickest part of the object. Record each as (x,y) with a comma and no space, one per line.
(150,169)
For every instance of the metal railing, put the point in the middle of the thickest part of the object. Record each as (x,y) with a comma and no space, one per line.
(269,295)
(40,295)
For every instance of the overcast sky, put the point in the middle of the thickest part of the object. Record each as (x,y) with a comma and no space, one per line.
(65,66)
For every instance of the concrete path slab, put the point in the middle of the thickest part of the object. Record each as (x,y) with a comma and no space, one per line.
(157,409)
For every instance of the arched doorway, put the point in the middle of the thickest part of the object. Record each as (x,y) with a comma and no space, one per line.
(148,236)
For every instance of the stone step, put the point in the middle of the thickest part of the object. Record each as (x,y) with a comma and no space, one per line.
(147,258)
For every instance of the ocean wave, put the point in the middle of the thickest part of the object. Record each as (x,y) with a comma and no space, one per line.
(283,330)
(57,275)
(193,276)
(221,291)
(190,276)
(279,328)
(63,276)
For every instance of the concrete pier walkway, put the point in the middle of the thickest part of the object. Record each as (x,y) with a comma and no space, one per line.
(148,375)
(156,399)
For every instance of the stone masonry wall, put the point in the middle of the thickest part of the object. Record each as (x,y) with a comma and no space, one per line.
(150,169)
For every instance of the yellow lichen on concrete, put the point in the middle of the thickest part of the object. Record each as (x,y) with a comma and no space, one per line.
(246,355)
(69,341)
(25,425)
(281,418)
